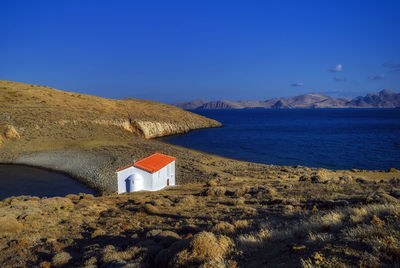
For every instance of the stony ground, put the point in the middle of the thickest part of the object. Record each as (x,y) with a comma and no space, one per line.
(290,217)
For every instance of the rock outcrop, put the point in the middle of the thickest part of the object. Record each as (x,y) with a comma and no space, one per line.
(151,129)
(11,133)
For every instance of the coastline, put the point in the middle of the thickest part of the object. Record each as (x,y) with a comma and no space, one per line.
(95,167)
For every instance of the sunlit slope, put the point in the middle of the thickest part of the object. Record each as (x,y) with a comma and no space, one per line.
(48,111)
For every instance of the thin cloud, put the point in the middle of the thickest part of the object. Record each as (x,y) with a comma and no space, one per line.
(337,68)
(297,84)
(376,76)
(392,66)
(340,78)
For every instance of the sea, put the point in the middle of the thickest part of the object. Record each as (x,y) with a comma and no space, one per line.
(16,180)
(327,138)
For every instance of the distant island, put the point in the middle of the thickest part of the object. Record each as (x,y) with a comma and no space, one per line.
(382,99)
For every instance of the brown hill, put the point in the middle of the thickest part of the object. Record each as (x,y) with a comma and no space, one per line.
(31,107)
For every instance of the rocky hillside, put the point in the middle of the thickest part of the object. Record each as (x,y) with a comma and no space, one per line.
(382,99)
(253,216)
(31,108)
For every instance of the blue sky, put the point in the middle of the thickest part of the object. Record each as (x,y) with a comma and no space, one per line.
(173,51)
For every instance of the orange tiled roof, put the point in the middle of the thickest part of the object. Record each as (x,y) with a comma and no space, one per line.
(152,163)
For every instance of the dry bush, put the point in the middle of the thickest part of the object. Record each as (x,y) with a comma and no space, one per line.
(61,258)
(238,201)
(187,200)
(241,224)
(357,214)
(377,221)
(9,225)
(265,192)
(205,248)
(110,254)
(150,209)
(365,213)
(212,182)
(332,220)
(240,191)
(254,240)
(223,228)
(45,264)
(249,211)
(216,191)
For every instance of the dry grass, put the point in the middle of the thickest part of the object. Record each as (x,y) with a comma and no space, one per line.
(241,224)
(223,228)
(174,229)
(61,258)
(205,248)
(216,191)
(238,201)
(111,254)
(9,225)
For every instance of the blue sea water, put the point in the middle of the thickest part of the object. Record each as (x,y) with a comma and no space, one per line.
(328,138)
(16,180)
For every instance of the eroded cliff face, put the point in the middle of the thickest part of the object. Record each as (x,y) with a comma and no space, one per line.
(154,129)
(148,129)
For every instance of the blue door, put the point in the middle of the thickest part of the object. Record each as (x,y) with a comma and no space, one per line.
(129,184)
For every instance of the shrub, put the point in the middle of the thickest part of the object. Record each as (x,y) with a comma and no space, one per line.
(212,182)
(238,201)
(61,258)
(9,225)
(216,191)
(241,224)
(204,248)
(110,254)
(223,228)
(377,221)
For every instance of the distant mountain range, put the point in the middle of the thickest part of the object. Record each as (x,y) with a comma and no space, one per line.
(382,99)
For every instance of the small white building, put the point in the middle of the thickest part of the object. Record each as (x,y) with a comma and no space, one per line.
(151,173)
